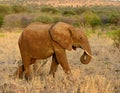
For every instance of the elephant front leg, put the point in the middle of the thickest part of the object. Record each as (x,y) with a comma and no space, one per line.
(54,65)
(62,60)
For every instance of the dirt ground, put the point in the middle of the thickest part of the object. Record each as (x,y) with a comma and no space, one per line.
(101,75)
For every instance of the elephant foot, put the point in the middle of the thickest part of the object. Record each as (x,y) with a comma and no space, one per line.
(18,74)
(53,74)
(70,78)
(49,78)
(68,72)
(28,77)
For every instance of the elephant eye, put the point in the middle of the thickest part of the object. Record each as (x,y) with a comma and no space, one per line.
(80,38)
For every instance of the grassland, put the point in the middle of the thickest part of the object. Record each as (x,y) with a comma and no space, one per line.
(55,3)
(100,22)
(102,75)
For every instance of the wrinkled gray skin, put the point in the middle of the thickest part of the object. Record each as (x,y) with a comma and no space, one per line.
(40,41)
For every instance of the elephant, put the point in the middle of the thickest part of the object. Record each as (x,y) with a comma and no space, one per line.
(40,41)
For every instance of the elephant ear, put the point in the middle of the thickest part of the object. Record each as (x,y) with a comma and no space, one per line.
(60,33)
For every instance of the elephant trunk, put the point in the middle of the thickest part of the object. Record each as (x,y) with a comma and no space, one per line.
(86,57)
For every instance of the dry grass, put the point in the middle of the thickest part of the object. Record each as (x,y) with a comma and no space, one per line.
(75,3)
(102,75)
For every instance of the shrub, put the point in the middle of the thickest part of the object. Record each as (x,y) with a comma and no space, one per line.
(116,39)
(69,20)
(5,9)
(45,19)
(12,21)
(68,12)
(1,20)
(19,8)
(91,18)
(104,19)
(18,20)
(80,10)
(49,9)
(26,20)
(32,8)
(113,19)
(56,19)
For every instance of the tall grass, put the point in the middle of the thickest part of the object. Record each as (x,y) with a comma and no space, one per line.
(96,77)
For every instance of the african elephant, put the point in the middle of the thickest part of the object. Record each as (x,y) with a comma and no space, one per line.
(40,41)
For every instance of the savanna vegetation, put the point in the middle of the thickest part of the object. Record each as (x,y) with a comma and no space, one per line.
(106,18)
(102,26)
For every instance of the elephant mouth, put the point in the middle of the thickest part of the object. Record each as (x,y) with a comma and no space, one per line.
(73,47)
(76,46)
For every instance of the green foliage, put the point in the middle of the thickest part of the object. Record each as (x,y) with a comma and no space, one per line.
(116,38)
(32,8)
(44,19)
(111,34)
(68,12)
(5,9)
(114,18)
(19,8)
(91,18)
(49,9)
(77,16)
(1,34)
(1,20)
(115,35)
(81,10)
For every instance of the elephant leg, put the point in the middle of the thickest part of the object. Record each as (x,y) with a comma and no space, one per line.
(34,67)
(32,61)
(62,60)
(54,66)
(19,72)
(26,63)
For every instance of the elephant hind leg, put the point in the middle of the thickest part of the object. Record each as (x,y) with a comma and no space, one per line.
(32,61)
(26,63)
(34,67)
(19,72)
(54,65)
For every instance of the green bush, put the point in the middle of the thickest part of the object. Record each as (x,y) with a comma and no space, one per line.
(5,9)
(114,19)
(81,10)
(68,12)
(1,20)
(45,19)
(32,8)
(91,19)
(104,19)
(49,9)
(116,38)
(19,9)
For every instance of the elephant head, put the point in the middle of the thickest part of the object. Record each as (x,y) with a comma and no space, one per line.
(70,38)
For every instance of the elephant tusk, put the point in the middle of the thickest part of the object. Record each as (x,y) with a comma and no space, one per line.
(88,53)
